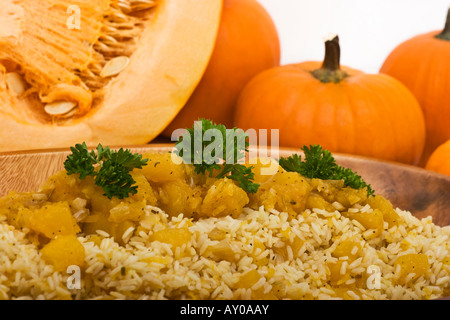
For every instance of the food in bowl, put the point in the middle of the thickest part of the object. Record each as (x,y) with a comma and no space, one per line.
(187,235)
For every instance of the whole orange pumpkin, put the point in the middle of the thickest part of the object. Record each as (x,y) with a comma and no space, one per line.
(342,109)
(247,43)
(422,63)
(439,160)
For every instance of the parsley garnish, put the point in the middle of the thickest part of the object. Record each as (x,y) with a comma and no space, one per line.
(114,168)
(225,146)
(320,164)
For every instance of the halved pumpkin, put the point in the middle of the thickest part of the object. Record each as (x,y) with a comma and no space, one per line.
(117,75)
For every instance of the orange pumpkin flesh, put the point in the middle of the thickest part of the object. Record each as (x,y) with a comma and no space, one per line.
(422,64)
(439,161)
(168,47)
(247,43)
(342,109)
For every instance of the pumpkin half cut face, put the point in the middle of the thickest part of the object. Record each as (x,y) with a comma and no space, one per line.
(105,71)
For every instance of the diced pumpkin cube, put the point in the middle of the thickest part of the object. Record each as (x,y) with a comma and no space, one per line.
(223,198)
(179,197)
(102,222)
(133,211)
(349,247)
(386,208)
(336,278)
(327,189)
(279,289)
(144,189)
(411,263)
(50,220)
(369,220)
(348,196)
(285,192)
(176,237)
(62,187)
(295,245)
(217,234)
(316,201)
(270,273)
(161,168)
(221,251)
(12,203)
(257,248)
(259,294)
(99,203)
(248,279)
(64,251)
(96,221)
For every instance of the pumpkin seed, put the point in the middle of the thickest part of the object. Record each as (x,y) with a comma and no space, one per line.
(114,66)
(15,83)
(116,16)
(139,5)
(124,6)
(129,6)
(59,108)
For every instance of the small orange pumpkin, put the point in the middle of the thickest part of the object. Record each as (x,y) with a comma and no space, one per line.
(247,43)
(342,109)
(439,160)
(422,63)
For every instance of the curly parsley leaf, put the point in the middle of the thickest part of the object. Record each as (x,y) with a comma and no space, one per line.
(211,147)
(80,161)
(320,164)
(111,169)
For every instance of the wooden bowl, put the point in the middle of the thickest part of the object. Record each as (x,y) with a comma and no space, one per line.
(422,192)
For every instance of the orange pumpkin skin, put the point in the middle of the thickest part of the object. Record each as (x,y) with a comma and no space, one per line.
(439,160)
(363,114)
(423,65)
(247,43)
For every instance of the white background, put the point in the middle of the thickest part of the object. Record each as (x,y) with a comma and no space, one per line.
(368,29)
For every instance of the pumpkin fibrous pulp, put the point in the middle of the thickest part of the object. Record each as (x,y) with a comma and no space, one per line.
(118,77)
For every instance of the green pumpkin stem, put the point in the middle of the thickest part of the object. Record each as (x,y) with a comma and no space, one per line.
(331,69)
(445,34)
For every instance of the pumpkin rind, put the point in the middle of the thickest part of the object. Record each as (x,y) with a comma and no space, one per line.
(169,61)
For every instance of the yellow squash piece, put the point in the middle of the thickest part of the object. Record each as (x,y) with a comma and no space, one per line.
(64,251)
(51,220)
(107,71)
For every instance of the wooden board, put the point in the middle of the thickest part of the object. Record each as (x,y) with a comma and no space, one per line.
(422,192)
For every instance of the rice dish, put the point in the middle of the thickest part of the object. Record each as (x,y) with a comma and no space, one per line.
(256,252)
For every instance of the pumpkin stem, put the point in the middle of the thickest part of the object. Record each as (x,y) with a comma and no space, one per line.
(331,69)
(445,34)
